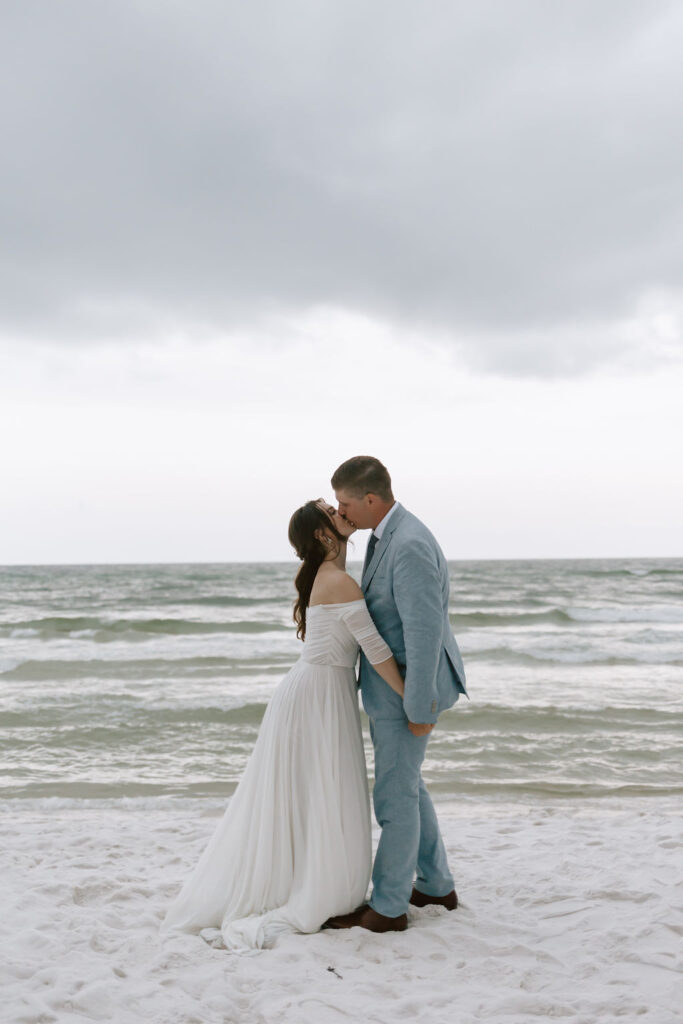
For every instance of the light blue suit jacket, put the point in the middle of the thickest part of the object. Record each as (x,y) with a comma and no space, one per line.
(406,588)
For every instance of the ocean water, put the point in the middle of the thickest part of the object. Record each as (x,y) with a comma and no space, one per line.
(146,684)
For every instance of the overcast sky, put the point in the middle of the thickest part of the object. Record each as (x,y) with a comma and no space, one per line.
(242,242)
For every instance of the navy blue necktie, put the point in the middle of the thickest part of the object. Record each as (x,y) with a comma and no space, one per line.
(372,544)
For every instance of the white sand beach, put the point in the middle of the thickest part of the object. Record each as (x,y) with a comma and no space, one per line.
(568,910)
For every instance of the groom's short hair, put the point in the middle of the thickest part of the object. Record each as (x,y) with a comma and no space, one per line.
(363,475)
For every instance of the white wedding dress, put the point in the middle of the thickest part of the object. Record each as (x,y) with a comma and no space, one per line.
(293,847)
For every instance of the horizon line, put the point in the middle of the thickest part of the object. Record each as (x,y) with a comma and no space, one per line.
(279,561)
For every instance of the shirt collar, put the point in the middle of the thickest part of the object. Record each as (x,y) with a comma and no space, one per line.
(379,529)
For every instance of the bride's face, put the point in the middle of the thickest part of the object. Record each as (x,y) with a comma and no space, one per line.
(341,524)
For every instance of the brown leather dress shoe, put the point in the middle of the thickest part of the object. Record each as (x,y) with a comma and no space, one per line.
(341,920)
(449,901)
(369,919)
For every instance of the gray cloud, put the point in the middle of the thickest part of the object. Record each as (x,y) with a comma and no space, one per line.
(491,171)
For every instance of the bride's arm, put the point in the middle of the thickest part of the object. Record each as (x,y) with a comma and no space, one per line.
(390,673)
(378,653)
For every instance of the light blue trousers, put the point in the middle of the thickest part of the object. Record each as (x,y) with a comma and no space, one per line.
(410,842)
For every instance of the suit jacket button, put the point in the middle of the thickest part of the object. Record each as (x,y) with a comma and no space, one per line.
(433,707)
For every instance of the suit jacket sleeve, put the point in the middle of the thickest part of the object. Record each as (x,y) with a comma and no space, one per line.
(418,596)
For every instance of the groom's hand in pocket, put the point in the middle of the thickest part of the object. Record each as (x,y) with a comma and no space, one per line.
(420,728)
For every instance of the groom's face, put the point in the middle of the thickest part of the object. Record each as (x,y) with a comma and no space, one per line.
(360,512)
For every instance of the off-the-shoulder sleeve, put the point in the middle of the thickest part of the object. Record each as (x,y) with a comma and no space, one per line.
(357,618)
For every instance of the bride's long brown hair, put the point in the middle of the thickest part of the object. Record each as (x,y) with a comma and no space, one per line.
(312,552)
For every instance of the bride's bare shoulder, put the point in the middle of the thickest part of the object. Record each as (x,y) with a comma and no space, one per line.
(334,587)
(347,588)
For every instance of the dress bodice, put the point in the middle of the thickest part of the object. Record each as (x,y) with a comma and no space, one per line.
(334,633)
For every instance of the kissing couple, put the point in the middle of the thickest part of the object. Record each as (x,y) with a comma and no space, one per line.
(293,849)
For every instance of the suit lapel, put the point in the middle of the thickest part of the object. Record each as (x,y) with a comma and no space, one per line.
(382,546)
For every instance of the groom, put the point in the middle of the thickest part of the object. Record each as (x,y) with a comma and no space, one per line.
(405,583)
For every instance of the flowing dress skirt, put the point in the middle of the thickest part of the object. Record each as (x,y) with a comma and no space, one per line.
(294,845)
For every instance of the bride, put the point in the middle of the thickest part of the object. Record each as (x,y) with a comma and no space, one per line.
(293,847)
